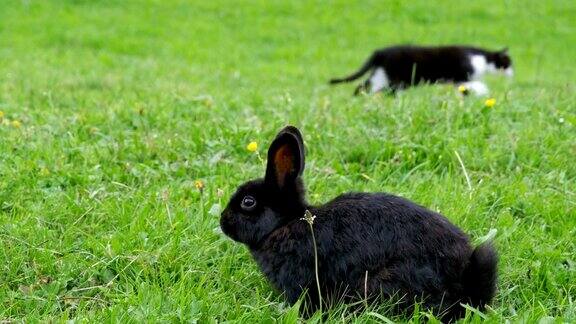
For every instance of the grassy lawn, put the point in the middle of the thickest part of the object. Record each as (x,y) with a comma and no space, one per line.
(113,109)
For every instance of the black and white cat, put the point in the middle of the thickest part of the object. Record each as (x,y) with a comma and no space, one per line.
(398,67)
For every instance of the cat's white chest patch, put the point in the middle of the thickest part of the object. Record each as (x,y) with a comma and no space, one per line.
(378,80)
(480,66)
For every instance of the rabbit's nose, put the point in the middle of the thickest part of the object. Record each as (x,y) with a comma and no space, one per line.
(227,224)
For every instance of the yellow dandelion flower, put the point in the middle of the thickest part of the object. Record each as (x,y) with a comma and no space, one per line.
(462,89)
(199,184)
(252,146)
(16,123)
(1,114)
(489,103)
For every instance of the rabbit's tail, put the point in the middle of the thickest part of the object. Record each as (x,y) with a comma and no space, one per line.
(479,277)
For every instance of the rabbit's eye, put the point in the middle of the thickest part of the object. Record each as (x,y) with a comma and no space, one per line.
(248,203)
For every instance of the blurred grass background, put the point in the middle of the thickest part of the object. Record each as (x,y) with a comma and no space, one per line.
(121,105)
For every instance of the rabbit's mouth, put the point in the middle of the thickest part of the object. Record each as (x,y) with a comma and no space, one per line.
(227,225)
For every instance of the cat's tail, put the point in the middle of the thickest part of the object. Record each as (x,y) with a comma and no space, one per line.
(479,277)
(365,68)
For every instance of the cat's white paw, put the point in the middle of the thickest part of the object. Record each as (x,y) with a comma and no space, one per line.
(477,87)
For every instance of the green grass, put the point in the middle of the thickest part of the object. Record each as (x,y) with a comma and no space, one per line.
(124,104)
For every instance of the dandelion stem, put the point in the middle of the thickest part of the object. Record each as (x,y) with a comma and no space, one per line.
(169,215)
(260,158)
(316,267)
(366,289)
(465,172)
(309,218)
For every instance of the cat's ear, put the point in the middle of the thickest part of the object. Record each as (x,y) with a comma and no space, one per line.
(285,158)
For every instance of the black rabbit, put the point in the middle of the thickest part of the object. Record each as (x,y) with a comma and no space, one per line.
(368,244)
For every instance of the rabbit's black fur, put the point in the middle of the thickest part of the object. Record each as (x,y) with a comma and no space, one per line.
(369,244)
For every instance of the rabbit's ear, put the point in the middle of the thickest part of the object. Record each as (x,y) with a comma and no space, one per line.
(285,158)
